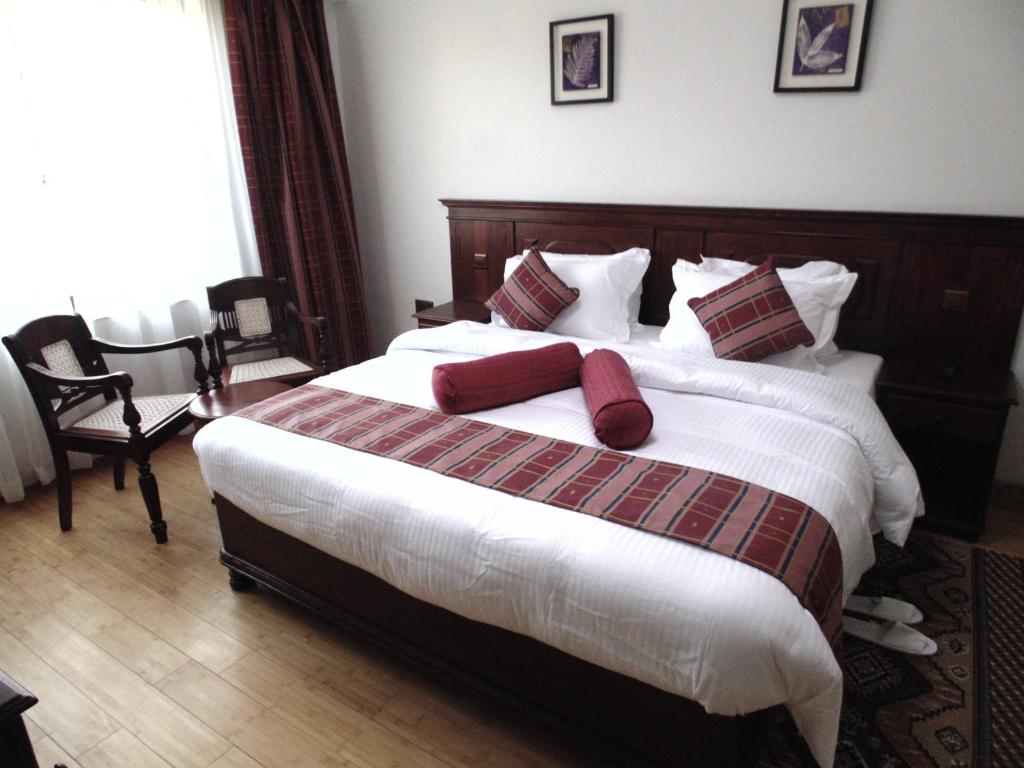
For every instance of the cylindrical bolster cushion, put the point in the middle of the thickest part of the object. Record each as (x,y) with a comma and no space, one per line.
(622,419)
(506,378)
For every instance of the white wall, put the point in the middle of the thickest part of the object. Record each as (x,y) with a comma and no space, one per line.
(450,98)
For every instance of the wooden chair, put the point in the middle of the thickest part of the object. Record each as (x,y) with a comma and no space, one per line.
(255,314)
(62,364)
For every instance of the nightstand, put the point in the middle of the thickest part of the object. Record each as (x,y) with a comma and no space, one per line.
(429,316)
(951,428)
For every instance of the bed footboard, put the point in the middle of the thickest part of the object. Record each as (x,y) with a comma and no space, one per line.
(626,720)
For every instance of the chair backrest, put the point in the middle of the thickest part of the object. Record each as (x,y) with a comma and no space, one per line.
(250,312)
(64,345)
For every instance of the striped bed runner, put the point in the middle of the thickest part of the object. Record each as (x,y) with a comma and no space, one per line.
(767,530)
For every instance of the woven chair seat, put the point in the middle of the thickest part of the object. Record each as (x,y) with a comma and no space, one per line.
(266,369)
(153,410)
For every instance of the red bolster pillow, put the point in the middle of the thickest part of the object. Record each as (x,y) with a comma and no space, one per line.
(506,378)
(622,419)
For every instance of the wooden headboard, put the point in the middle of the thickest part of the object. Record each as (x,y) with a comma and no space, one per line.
(942,289)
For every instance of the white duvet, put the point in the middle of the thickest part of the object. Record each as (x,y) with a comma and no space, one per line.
(675,616)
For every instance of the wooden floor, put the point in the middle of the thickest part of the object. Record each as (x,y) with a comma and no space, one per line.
(142,656)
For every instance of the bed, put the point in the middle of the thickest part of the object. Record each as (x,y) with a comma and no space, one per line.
(670,653)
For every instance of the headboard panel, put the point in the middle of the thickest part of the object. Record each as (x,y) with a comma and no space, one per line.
(943,289)
(581,238)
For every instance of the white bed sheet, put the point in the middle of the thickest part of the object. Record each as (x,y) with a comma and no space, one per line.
(675,616)
(859,369)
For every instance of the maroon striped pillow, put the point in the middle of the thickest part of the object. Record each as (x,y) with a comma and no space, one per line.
(532,296)
(506,378)
(752,317)
(621,418)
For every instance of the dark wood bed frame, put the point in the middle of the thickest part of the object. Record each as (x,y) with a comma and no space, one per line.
(938,290)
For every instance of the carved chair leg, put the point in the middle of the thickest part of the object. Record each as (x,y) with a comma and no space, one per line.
(200,373)
(320,350)
(119,473)
(214,368)
(151,495)
(63,468)
(239,582)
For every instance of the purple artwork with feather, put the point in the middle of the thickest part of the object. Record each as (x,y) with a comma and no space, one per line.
(581,61)
(822,40)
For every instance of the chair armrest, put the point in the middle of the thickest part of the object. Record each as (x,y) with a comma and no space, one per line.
(185,342)
(215,367)
(119,380)
(319,328)
(314,320)
(193,343)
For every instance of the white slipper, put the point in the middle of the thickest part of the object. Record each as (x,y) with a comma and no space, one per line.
(892,635)
(886,608)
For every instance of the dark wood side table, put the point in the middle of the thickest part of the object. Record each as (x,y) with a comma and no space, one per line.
(15,746)
(951,428)
(232,398)
(429,316)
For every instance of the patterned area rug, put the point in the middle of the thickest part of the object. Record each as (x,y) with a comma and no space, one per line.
(963,707)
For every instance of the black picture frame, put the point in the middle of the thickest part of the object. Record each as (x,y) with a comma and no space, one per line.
(596,82)
(794,14)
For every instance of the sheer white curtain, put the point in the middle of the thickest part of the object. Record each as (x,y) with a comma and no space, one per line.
(121,185)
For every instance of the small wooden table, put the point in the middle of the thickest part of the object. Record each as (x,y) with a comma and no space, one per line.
(429,316)
(233,398)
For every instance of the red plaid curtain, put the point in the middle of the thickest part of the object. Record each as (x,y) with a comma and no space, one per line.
(295,165)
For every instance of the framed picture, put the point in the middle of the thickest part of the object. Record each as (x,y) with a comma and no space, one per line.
(821,46)
(582,60)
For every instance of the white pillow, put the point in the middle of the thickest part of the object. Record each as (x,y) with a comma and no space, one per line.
(807,271)
(684,331)
(610,288)
(818,290)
